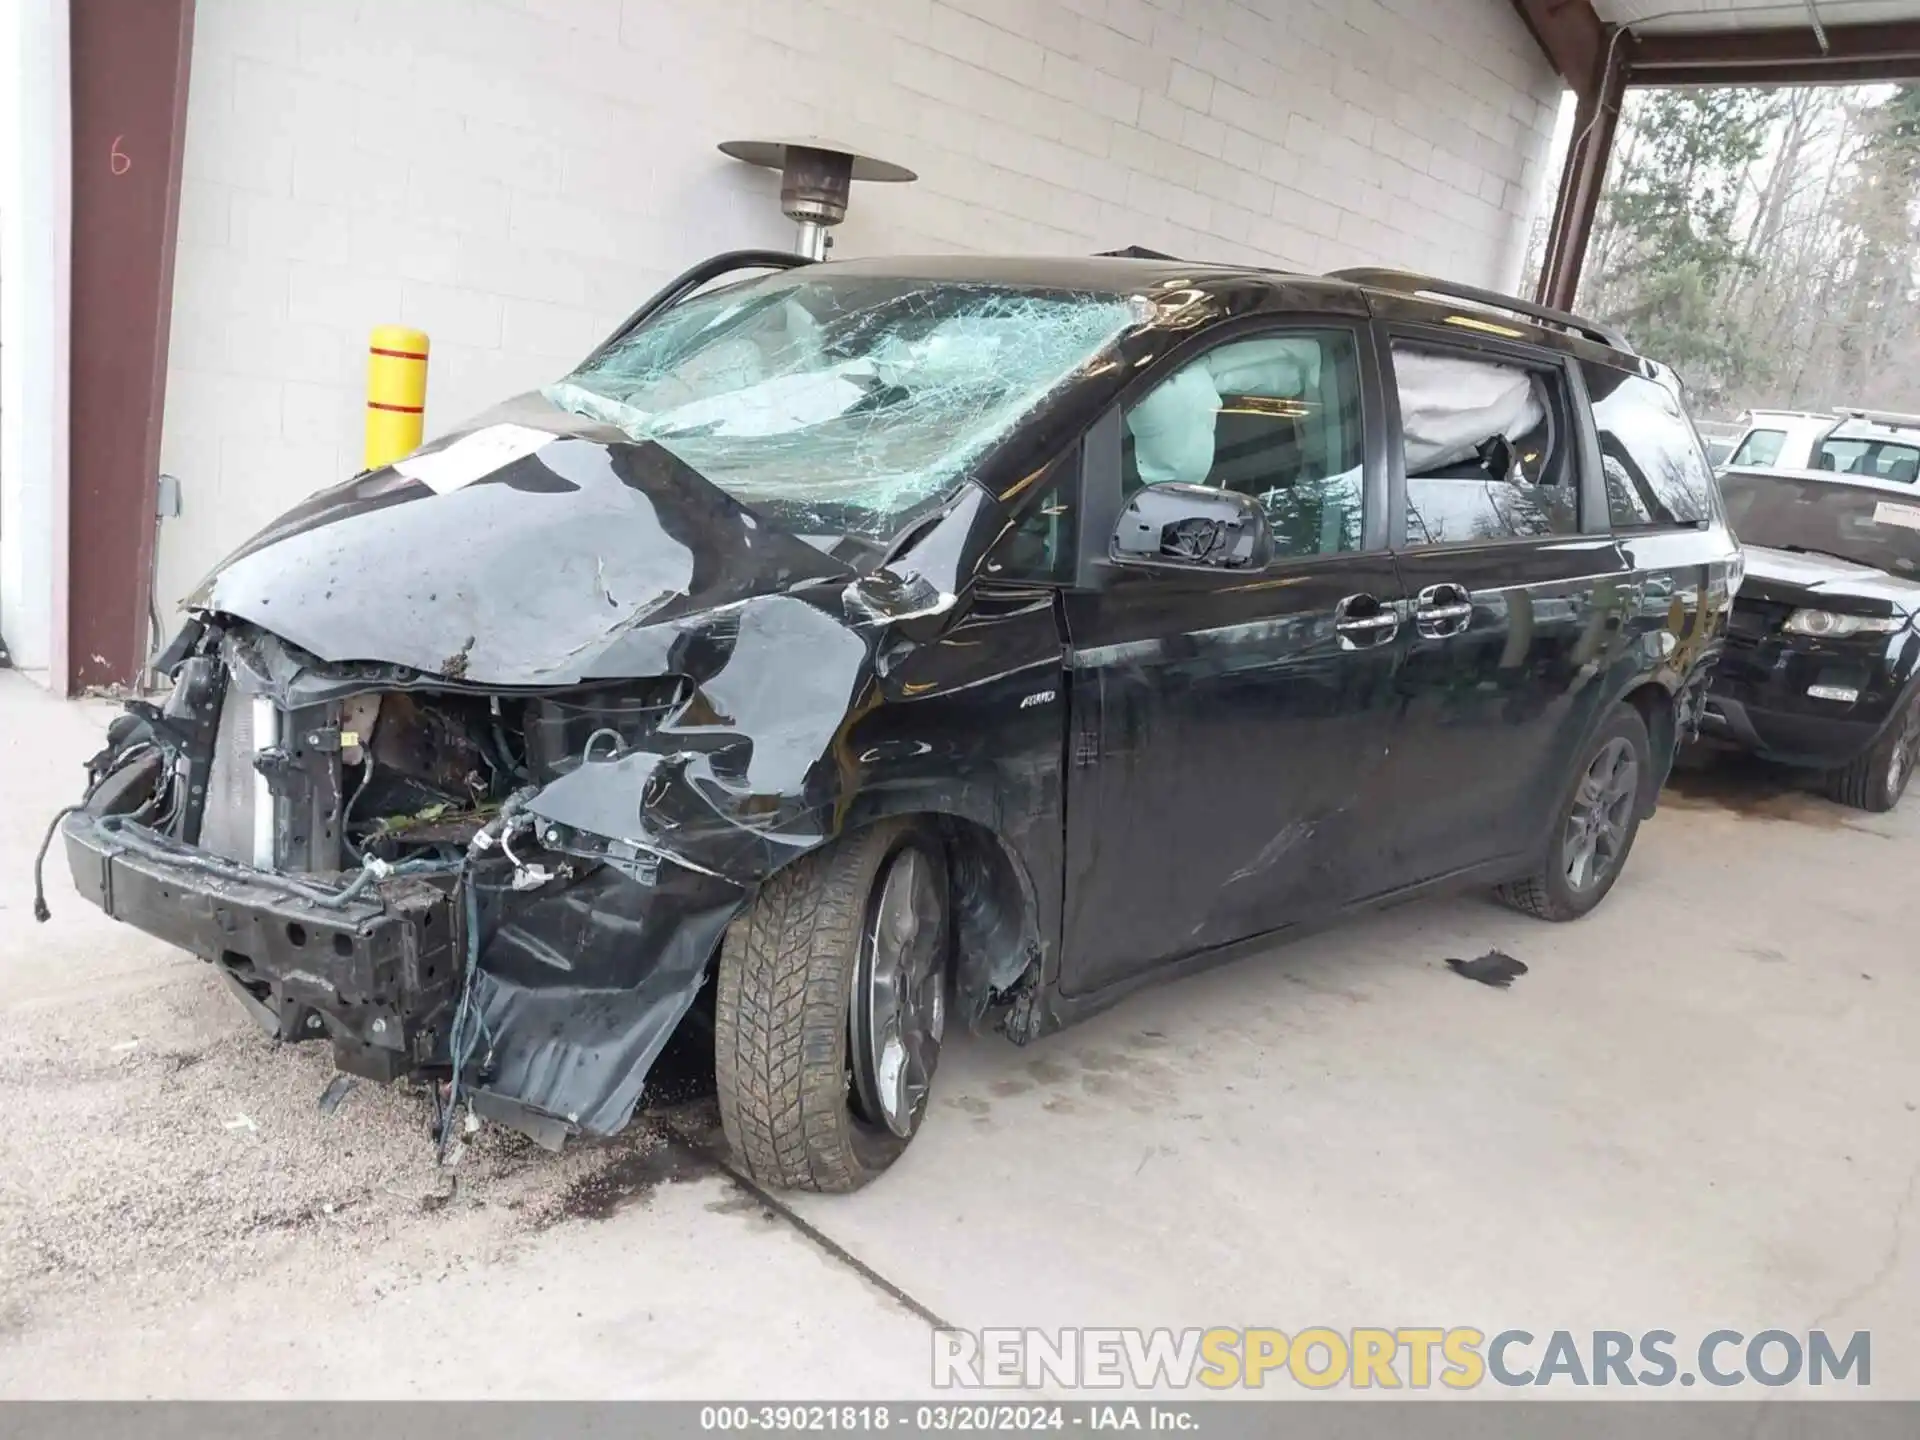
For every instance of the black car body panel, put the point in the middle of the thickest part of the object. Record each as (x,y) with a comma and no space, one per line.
(1760,700)
(666,699)
(564,558)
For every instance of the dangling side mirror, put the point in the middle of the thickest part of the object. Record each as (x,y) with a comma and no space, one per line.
(1192,527)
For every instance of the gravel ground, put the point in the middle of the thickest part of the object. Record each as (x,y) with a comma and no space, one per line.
(160,1147)
(173,1152)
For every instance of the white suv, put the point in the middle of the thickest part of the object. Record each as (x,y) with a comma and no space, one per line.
(1871,443)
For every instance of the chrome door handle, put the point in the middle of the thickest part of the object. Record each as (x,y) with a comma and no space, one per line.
(1376,626)
(1442,610)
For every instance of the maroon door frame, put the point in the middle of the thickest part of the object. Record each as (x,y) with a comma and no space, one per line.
(129,64)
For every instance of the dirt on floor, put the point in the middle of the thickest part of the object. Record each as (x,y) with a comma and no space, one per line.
(174,1148)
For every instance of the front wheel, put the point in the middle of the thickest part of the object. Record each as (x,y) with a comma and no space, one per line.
(831,1008)
(1876,781)
(1598,818)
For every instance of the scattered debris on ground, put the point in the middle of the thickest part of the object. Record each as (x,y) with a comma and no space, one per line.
(335,1092)
(1495,968)
(185,1161)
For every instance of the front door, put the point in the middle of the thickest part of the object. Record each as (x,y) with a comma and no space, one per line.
(1227,727)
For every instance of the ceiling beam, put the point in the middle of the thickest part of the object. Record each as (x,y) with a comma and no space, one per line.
(1571,36)
(1888,51)
(1880,69)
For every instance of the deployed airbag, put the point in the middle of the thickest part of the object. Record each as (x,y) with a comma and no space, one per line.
(1450,406)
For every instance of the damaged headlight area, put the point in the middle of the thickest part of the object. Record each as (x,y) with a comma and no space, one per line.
(406,869)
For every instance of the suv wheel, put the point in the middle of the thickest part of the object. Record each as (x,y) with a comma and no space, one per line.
(1599,816)
(1878,779)
(831,1007)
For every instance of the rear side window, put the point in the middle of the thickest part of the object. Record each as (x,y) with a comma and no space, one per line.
(1876,459)
(1761,448)
(1655,471)
(1489,451)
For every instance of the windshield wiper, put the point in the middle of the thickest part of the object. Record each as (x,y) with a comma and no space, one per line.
(1830,554)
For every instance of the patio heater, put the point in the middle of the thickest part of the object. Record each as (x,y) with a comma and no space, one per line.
(815,177)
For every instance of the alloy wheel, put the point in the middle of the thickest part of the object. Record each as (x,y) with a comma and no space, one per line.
(1906,752)
(1602,813)
(899,1002)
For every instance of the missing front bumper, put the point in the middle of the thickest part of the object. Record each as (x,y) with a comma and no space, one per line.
(375,975)
(580,987)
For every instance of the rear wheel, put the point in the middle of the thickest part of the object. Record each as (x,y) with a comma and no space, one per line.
(1878,779)
(1598,818)
(831,1009)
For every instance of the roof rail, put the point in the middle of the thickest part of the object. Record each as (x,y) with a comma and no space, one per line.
(1408,282)
(1892,419)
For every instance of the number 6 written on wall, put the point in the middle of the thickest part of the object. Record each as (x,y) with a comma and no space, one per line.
(118,161)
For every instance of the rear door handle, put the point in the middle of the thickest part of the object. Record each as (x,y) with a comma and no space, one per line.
(1363,622)
(1442,610)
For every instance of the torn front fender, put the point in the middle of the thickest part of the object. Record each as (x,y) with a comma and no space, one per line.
(580,989)
(746,768)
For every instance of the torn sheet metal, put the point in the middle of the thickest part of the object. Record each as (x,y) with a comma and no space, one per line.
(581,986)
(707,612)
(533,574)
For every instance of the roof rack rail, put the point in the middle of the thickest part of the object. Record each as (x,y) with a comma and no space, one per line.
(1891,419)
(1408,282)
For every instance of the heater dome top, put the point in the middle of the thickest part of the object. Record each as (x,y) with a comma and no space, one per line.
(772,155)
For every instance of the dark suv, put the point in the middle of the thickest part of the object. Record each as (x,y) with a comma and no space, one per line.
(1822,665)
(843,651)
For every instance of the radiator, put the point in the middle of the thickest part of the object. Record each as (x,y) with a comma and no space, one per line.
(238,821)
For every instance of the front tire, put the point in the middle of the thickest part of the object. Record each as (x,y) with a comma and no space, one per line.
(1876,781)
(830,1010)
(1596,822)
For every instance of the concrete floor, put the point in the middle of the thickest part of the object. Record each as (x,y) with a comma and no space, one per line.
(1698,1109)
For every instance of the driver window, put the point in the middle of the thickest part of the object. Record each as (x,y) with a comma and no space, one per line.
(1276,418)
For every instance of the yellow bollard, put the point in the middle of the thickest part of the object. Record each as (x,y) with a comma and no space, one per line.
(396,393)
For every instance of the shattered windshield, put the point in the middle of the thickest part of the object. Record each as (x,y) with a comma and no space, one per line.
(843,404)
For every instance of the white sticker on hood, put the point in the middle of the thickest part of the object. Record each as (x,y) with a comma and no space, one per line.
(473,457)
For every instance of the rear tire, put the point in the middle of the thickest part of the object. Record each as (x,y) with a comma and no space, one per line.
(1876,781)
(1598,816)
(793,998)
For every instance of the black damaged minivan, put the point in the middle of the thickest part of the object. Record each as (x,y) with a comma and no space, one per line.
(848,651)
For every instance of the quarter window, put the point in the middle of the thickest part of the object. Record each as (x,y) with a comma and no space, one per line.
(1038,543)
(1656,473)
(1277,418)
(1488,448)
(1761,448)
(1876,459)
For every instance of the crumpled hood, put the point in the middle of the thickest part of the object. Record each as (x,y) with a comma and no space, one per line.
(1790,577)
(501,557)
